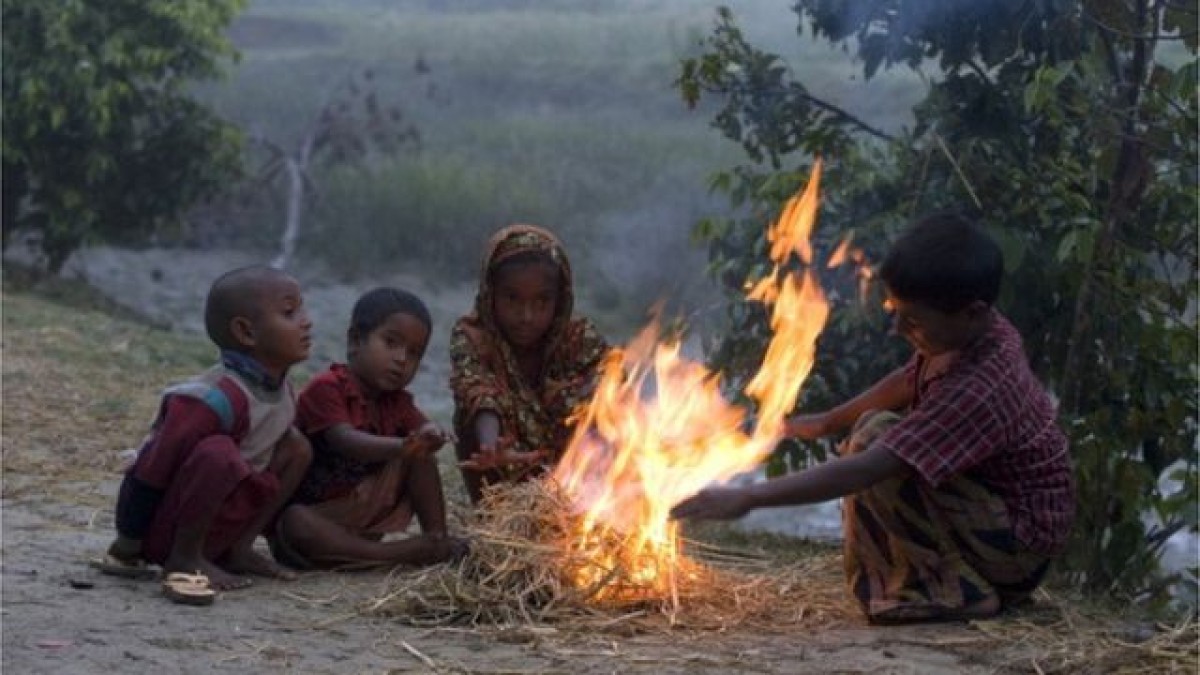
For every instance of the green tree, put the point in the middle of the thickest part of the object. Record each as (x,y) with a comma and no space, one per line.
(1069,130)
(101,140)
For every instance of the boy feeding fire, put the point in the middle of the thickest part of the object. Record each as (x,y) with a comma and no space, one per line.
(955,508)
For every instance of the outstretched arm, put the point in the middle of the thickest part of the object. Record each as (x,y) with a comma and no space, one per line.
(366,447)
(889,393)
(492,453)
(835,478)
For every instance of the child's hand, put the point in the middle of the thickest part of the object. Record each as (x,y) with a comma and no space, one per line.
(490,457)
(715,503)
(427,440)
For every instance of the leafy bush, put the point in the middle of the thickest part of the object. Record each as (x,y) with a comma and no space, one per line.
(101,141)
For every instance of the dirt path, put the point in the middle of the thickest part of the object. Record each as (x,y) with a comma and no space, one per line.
(112,625)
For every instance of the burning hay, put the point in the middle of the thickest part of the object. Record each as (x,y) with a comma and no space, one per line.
(595,540)
(524,561)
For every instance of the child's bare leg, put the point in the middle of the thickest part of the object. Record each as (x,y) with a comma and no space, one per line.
(126,550)
(187,552)
(289,462)
(328,544)
(423,485)
(202,502)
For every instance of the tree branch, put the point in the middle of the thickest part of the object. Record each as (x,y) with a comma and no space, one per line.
(979,70)
(829,107)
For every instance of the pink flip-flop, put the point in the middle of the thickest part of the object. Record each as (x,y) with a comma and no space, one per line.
(188,589)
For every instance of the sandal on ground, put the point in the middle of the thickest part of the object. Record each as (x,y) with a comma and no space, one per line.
(188,589)
(127,569)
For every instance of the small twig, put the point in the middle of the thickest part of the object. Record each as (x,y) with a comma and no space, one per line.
(420,657)
(957,169)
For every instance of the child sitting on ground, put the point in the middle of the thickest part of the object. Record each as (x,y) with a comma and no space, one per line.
(520,362)
(222,456)
(957,508)
(373,450)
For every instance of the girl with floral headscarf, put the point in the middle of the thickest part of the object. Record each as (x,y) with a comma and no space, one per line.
(520,361)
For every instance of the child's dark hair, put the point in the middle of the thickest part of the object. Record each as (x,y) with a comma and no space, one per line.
(523,259)
(944,261)
(376,305)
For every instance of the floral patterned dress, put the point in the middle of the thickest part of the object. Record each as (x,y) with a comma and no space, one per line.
(485,374)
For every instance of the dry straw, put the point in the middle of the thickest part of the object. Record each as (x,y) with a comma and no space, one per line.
(1059,637)
(518,573)
(516,577)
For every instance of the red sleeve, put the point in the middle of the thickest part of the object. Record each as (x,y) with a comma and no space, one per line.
(184,422)
(322,405)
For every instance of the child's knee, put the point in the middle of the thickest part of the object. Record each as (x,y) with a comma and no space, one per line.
(295,450)
(217,451)
(869,426)
(424,463)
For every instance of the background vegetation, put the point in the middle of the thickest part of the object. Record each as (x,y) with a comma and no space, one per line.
(101,141)
(557,113)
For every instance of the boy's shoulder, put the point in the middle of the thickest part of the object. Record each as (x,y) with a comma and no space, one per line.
(336,376)
(220,392)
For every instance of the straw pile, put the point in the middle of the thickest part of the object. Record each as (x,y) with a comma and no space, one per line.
(518,572)
(1060,637)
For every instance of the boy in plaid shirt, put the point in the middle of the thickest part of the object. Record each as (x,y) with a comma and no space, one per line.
(954,508)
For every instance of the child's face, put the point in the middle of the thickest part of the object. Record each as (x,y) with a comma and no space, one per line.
(281,333)
(932,331)
(524,301)
(386,359)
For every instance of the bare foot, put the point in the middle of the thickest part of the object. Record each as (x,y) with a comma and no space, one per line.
(456,548)
(218,578)
(128,551)
(250,562)
(983,609)
(438,548)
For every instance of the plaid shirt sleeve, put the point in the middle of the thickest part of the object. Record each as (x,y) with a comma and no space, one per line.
(957,424)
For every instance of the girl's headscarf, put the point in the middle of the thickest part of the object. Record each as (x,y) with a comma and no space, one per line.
(485,374)
(514,240)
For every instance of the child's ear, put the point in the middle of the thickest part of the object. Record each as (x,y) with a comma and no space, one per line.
(353,342)
(242,330)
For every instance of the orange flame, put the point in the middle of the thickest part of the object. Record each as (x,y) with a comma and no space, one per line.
(862,269)
(658,429)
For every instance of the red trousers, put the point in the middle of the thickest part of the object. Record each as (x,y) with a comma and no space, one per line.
(213,470)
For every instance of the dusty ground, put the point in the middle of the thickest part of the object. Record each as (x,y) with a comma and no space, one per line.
(52,625)
(78,388)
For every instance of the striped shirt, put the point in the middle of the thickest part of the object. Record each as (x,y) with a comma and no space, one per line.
(986,415)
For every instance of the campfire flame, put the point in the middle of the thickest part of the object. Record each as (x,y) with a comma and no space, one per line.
(658,429)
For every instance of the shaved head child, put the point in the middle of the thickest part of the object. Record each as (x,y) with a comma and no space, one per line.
(222,455)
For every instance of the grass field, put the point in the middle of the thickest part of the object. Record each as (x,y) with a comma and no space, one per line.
(558,113)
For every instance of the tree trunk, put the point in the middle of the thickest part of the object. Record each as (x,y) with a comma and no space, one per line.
(295,204)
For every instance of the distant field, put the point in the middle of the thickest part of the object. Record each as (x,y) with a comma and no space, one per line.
(541,112)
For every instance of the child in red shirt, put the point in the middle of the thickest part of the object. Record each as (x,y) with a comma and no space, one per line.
(373,450)
(957,507)
(222,456)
